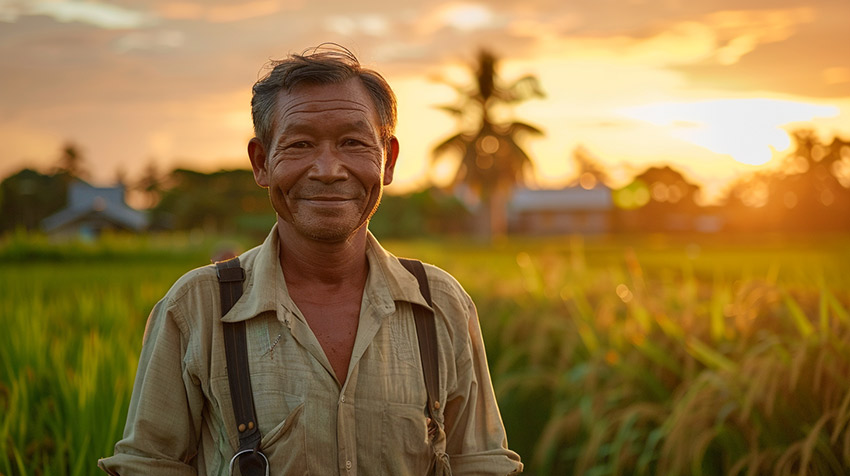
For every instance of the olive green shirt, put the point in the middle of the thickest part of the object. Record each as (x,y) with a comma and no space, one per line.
(181,421)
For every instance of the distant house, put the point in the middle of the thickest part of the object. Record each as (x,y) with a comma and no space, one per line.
(562,211)
(92,210)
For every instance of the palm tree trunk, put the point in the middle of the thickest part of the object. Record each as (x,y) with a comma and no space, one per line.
(498,205)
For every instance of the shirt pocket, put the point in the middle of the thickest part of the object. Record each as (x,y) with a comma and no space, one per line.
(272,406)
(285,445)
(405,448)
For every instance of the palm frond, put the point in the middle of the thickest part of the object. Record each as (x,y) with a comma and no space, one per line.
(517,126)
(525,88)
(452,110)
(457,141)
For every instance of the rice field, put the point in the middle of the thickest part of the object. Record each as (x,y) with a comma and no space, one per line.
(610,356)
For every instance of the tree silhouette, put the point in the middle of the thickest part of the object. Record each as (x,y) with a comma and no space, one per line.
(589,173)
(150,185)
(70,163)
(492,161)
(811,192)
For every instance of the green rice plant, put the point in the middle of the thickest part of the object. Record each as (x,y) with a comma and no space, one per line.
(692,370)
(69,353)
(609,355)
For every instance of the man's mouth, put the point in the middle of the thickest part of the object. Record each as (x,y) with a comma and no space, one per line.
(326,198)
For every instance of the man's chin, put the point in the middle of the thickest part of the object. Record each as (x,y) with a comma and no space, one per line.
(329,233)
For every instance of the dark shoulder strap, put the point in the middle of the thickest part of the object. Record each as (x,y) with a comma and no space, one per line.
(230,277)
(426,333)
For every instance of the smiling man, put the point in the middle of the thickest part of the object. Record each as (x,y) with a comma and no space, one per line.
(335,374)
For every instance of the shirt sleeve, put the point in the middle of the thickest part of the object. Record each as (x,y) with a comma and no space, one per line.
(475,435)
(163,422)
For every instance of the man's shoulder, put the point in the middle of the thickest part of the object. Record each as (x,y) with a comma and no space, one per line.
(447,293)
(203,281)
(440,279)
(202,276)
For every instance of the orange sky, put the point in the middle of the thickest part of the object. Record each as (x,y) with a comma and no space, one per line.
(711,87)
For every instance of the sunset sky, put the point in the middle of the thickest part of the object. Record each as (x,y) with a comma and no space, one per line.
(711,87)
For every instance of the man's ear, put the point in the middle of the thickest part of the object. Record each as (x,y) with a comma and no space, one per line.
(392,156)
(257,154)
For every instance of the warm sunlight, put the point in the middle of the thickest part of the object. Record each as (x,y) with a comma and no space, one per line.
(648,202)
(712,92)
(749,130)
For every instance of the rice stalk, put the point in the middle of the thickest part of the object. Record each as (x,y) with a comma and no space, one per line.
(798,316)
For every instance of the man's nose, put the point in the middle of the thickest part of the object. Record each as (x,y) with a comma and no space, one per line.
(328,166)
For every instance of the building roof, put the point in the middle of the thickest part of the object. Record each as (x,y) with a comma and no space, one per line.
(565,199)
(85,200)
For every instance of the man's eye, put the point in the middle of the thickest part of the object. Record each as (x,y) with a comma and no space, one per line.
(298,145)
(353,143)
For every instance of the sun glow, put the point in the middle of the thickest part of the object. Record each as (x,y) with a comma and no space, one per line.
(748,130)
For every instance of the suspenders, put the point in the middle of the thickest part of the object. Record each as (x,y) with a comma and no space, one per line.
(426,333)
(251,461)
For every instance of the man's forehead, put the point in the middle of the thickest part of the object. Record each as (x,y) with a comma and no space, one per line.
(299,105)
(349,95)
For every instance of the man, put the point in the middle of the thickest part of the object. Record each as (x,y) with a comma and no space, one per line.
(332,346)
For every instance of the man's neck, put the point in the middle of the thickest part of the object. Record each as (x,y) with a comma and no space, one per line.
(306,262)
(326,281)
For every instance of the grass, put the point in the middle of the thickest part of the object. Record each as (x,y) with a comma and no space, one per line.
(631,355)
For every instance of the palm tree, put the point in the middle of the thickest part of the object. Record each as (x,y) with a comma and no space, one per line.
(492,161)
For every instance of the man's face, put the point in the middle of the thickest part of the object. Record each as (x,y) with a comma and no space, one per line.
(327,165)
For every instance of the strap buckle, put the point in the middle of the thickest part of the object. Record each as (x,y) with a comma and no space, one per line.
(240,453)
(230,275)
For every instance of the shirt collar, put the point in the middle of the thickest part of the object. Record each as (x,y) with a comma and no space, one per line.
(265,287)
(263,276)
(388,280)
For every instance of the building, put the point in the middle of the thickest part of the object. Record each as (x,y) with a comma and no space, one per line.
(91,210)
(563,211)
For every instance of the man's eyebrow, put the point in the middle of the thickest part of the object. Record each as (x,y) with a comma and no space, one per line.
(359,125)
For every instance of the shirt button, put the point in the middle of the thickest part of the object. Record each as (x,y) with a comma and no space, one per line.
(348,465)
(342,399)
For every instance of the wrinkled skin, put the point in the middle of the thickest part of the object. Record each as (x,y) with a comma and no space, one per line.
(327,164)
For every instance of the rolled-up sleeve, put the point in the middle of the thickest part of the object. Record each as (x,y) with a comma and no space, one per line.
(163,422)
(475,435)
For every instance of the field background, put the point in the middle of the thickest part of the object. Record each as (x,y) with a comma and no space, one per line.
(629,355)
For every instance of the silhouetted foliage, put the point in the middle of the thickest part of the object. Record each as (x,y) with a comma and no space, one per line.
(658,199)
(28,197)
(427,212)
(492,161)
(589,172)
(150,185)
(223,201)
(70,163)
(810,193)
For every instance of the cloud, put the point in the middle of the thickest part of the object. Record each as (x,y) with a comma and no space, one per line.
(719,38)
(103,15)
(366,24)
(741,32)
(149,40)
(462,17)
(226,13)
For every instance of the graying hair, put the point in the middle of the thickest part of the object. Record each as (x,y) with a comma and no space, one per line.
(327,63)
